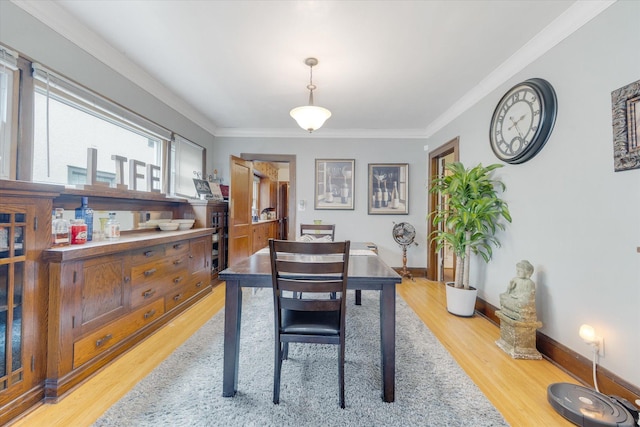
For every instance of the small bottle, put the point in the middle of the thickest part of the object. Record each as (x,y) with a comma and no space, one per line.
(60,229)
(85,213)
(112,227)
(395,198)
(385,195)
(378,199)
(344,192)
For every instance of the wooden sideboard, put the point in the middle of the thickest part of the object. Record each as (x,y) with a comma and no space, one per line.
(104,297)
(66,312)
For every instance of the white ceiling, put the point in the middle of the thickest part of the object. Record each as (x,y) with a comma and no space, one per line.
(386,68)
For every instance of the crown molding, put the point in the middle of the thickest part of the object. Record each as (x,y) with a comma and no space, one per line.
(65,24)
(577,15)
(324,133)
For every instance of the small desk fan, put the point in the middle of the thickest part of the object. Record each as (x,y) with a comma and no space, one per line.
(404,234)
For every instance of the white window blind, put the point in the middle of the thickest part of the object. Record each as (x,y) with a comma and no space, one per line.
(8,73)
(187,162)
(93,100)
(8,58)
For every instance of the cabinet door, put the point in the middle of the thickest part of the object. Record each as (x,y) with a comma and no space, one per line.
(198,261)
(104,289)
(16,301)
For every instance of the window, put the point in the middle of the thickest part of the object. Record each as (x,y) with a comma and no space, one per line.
(187,162)
(69,119)
(8,116)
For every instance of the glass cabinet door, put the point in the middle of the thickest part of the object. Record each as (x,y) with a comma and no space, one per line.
(12,284)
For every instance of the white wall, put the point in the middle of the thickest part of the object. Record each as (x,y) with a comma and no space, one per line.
(356,224)
(574,218)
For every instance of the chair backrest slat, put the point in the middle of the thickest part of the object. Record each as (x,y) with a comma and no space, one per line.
(319,286)
(318,230)
(310,304)
(308,267)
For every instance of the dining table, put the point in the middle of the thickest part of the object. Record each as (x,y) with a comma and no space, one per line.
(365,273)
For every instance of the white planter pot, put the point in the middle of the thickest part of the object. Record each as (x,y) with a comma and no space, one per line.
(460,301)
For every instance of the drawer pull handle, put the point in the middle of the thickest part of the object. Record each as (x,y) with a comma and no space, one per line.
(126,279)
(177,262)
(177,246)
(103,340)
(148,293)
(198,284)
(177,280)
(149,314)
(177,297)
(149,253)
(149,272)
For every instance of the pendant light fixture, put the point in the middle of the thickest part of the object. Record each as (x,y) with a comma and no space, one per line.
(310,117)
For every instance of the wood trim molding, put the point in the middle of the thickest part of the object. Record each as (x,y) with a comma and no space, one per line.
(573,363)
(449,147)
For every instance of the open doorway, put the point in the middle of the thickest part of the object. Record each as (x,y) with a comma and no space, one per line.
(440,264)
(288,192)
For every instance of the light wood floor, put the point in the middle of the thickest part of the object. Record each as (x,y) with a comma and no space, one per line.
(517,388)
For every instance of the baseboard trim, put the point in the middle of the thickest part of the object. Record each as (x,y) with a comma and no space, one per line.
(571,362)
(415,272)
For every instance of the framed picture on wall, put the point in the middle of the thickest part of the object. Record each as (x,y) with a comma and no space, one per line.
(388,189)
(334,184)
(625,109)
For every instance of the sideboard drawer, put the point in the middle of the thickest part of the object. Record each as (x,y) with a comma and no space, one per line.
(144,255)
(145,292)
(154,271)
(106,337)
(177,248)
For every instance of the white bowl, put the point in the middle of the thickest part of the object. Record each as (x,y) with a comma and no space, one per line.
(184,224)
(168,226)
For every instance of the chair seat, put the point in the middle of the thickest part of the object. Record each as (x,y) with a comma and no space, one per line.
(310,322)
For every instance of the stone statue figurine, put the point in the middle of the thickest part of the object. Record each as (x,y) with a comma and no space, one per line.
(519,301)
(518,320)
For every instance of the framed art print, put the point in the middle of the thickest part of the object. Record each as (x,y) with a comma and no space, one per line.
(334,184)
(388,189)
(625,111)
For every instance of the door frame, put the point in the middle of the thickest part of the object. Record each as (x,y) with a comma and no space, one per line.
(446,149)
(282,158)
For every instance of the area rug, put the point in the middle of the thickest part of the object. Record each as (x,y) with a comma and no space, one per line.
(186,388)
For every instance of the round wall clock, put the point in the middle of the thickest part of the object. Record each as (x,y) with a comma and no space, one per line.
(523,120)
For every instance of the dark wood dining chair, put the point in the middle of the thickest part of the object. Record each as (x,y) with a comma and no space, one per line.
(318,231)
(314,269)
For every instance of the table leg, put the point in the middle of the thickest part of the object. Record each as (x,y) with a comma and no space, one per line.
(232,317)
(388,341)
(358,297)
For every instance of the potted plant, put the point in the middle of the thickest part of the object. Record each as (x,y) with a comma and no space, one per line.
(466,221)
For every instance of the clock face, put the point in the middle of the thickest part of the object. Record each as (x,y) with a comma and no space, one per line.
(523,120)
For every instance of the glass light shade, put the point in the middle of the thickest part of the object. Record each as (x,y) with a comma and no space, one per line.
(310,117)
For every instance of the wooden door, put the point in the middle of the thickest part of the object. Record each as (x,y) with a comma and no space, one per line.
(240,195)
(440,264)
